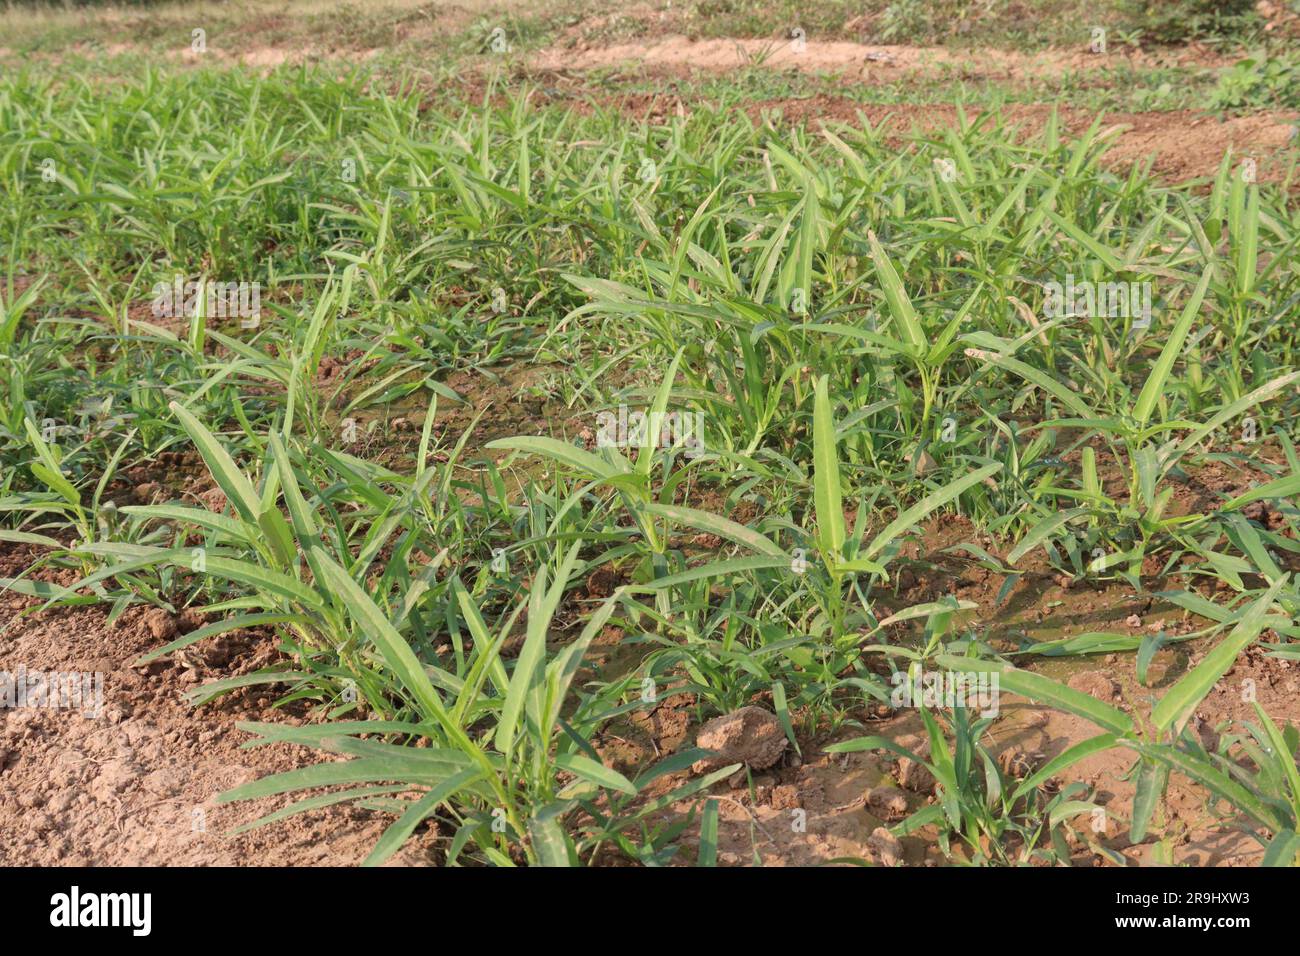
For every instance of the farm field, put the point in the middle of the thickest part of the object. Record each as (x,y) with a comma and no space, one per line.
(719,433)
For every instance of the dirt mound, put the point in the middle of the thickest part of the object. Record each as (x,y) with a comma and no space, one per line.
(860,61)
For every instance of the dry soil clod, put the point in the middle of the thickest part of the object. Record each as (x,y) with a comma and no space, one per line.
(751,736)
(889,803)
(885,847)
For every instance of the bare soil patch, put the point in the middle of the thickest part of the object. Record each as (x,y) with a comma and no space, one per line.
(137,785)
(858,61)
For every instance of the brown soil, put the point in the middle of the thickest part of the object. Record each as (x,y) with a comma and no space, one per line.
(838,793)
(857,61)
(137,785)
